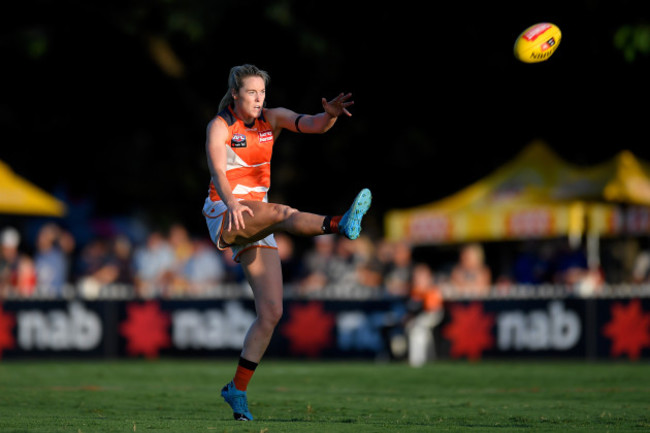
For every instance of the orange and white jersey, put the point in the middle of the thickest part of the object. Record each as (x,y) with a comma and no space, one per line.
(249,149)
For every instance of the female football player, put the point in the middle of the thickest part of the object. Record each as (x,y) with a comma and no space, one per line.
(239,145)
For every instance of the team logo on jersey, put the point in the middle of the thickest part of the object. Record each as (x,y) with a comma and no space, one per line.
(238,140)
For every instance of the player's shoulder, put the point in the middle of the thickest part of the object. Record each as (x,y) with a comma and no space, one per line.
(218,124)
(225,116)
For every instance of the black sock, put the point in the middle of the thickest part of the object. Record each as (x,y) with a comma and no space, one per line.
(331,224)
(327,229)
(250,365)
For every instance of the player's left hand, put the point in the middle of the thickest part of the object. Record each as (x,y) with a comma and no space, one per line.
(338,105)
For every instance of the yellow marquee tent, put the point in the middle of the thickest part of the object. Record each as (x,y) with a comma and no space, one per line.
(19,196)
(535,195)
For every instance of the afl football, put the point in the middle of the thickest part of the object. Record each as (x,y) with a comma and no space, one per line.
(537,43)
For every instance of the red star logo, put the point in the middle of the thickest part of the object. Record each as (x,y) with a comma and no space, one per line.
(469,331)
(7,322)
(629,329)
(309,329)
(145,329)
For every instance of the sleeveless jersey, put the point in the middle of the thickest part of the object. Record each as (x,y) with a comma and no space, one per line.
(249,149)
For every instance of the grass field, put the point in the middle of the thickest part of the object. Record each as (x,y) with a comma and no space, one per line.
(182,396)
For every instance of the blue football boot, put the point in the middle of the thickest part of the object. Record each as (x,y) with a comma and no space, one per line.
(237,401)
(350,224)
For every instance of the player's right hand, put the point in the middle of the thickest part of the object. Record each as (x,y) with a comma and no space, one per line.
(236,216)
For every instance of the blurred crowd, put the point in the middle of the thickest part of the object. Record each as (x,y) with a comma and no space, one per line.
(173,263)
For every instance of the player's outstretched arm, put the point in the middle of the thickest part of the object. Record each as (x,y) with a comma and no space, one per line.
(312,124)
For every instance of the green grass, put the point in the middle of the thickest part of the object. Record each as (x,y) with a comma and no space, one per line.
(182,396)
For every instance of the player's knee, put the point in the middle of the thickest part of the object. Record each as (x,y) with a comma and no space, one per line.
(270,315)
(283,212)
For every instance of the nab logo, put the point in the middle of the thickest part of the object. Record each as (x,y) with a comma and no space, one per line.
(238,140)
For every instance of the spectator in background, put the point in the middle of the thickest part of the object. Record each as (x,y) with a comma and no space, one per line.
(317,262)
(204,268)
(571,269)
(103,263)
(94,269)
(397,278)
(292,267)
(154,266)
(17,273)
(369,269)
(121,256)
(471,276)
(532,264)
(342,268)
(570,265)
(182,247)
(234,272)
(54,247)
(641,268)
(25,277)
(384,252)
(9,240)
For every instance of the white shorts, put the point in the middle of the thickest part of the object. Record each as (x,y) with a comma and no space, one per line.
(214,211)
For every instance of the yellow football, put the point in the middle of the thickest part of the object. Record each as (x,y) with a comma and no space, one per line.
(537,43)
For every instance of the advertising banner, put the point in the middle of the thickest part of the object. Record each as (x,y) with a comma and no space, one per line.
(566,328)
(54,328)
(515,328)
(520,328)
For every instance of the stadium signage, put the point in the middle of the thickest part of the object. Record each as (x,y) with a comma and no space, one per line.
(211,329)
(358,331)
(76,328)
(554,328)
(597,328)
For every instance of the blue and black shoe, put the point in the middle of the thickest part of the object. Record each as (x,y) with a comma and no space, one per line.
(350,224)
(237,401)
